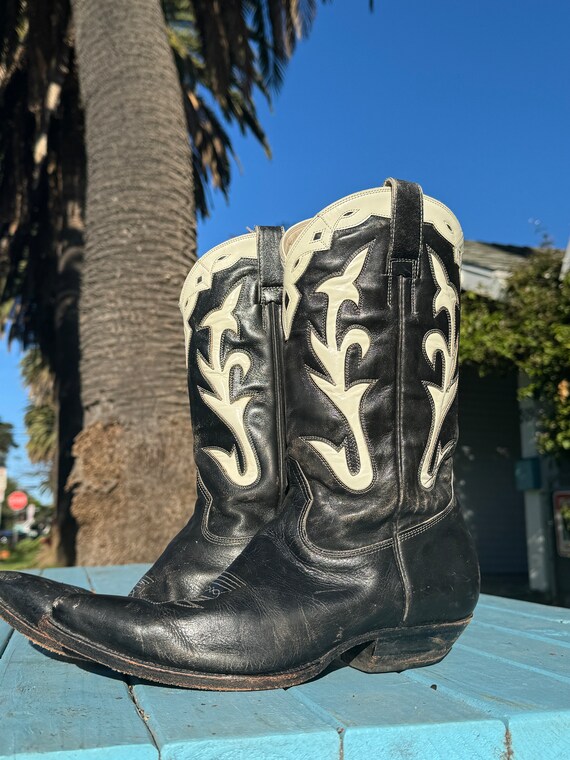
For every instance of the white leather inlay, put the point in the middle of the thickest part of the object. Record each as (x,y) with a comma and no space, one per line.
(302,241)
(441,396)
(230,410)
(199,278)
(347,398)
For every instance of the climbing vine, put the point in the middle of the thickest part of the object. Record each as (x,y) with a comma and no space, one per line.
(529,330)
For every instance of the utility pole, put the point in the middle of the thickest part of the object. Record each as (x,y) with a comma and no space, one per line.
(3,484)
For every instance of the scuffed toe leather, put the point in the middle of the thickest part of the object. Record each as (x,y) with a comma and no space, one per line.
(25,599)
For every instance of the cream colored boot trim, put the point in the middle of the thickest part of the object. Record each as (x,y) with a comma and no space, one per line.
(199,278)
(302,241)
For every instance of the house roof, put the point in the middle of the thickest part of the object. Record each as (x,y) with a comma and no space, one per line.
(486,266)
(494,255)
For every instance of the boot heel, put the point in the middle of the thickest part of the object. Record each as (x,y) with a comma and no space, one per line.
(404,648)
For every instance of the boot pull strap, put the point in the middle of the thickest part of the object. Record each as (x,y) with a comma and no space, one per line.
(406,228)
(270,271)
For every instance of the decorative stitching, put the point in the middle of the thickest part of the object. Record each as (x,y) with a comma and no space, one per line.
(400,445)
(230,410)
(206,532)
(242,375)
(224,583)
(429,523)
(441,397)
(391,276)
(393,198)
(421,245)
(371,548)
(353,346)
(272,290)
(347,398)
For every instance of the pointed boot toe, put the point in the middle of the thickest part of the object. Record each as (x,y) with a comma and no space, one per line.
(25,599)
(131,635)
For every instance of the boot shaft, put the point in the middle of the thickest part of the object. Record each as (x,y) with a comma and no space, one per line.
(231,304)
(371,322)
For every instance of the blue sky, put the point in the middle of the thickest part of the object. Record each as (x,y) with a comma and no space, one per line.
(469,98)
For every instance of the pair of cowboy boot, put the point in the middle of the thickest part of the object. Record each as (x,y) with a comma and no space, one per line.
(366,556)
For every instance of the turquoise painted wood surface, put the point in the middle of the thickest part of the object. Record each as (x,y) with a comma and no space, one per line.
(53,709)
(502,694)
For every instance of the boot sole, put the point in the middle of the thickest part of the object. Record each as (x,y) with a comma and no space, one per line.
(383,651)
(34,635)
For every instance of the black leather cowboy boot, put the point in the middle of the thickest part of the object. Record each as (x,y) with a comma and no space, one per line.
(231,308)
(369,557)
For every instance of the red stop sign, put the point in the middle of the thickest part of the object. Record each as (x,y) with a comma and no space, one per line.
(17,500)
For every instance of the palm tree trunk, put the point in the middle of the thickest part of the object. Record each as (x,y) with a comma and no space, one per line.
(133,475)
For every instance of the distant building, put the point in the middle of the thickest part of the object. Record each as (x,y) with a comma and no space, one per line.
(505,489)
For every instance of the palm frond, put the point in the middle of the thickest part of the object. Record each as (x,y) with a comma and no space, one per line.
(37,377)
(40,415)
(13,29)
(41,429)
(242,110)
(230,50)
(211,150)
(7,441)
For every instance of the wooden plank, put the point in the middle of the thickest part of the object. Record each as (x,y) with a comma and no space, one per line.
(517,620)
(511,693)
(115,579)
(75,576)
(527,609)
(531,737)
(542,655)
(387,716)
(494,685)
(58,710)
(270,725)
